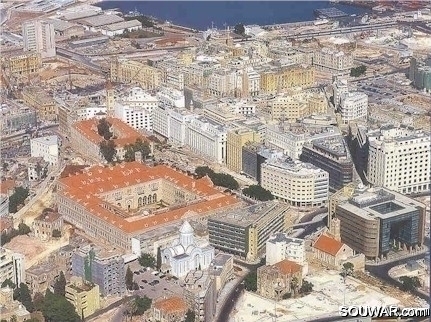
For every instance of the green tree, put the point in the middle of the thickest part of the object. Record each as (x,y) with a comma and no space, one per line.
(142,304)
(409,283)
(17,198)
(13,318)
(190,316)
(250,282)
(56,233)
(147,260)
(22,294)
(107,149)
(138,146)
(38,300)
(239,29)
(104,129)
(203,171)
(159,258)
(294,283)
(60,285)
(358,71)
(129,278)
(8,283)
(306,287)
(347,270)
(287,295)
(23,229)
(258,193)
(56,308)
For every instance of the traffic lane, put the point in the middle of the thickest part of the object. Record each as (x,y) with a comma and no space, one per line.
(229,304)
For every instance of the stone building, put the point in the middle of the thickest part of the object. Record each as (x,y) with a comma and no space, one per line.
(171,309)
(330,251)
(45,225)
(9,307)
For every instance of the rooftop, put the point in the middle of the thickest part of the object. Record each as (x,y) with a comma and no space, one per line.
(174,304)
(288,267)
(100,20)
(333,145)
(48,216)
(328,245)
(123,25)
(284,238)
(293,166)
(48,140)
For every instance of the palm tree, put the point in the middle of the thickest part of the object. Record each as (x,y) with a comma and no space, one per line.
(347,270)
(294,283)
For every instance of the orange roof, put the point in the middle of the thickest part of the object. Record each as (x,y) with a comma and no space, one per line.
(84,189)
(48,216)
(171,305)
(72,169)
(288,267)
(6,223)
(328,245)
(125,133)
(7,185)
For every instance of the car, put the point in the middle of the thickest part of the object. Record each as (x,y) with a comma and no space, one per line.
(156,282)
(162,276)
(141,287)
(136,272)
(144,281)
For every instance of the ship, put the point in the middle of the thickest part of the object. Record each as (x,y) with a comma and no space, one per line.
(134,13)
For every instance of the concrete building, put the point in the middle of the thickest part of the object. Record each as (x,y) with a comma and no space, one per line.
(102,267)
(353,106)
(23,65)
(37,168)
(300,184)
(83,295)
(43,275)
(377,221)
(45,147)
(171,97)
(278,80)
(339,87)
(221,268)
(201,295)
(17,118)
(280,247)
(121,27)
(10,309)
(253,156)
(134,72)
(399,159)
(420,73)
(331,155)
(66,29)
(244,232)
(41,101)
(11,266)
(171,309)
(39,36)
(334,62)
(45,225)
(274,281)
(186,253)
(236,140)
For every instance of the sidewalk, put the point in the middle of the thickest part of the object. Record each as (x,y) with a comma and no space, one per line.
(396,258)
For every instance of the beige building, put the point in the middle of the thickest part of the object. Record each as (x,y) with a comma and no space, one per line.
(39,37)
(274,281)
(236,139)
(40,277)
(22,65)
(40,100)
(134,72)
(84,296)
(9,308)
(11,266)
(335,62)
(45,225)
(221,268)
(171,309)
(330,251)
(282,79)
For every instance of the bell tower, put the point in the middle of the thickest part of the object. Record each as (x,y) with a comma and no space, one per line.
(110,99)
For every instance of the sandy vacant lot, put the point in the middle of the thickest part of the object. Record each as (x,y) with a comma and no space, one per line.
(27,246)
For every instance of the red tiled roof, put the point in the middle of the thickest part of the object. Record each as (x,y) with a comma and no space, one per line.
(328,245)
(7,185)
(72,169)
(171,305)
(6,223)
(288,267)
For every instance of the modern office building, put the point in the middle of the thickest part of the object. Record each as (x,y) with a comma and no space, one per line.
(102,267)
(235,141)
(83,295)
(244,232)
(45,147)
(420,73)
(333,156)
(39,36)
(300,184)
(377,221)
(253,156)
(11,266)
(399,159)
(353,106)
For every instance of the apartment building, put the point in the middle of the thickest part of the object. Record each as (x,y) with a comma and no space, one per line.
(11,266)
(83,295)
(300,184)
(221,268)
(224,83)
(250,82)
(334,62)
(41,101)
(353,106)
(377,221)
(171,97)
(420,73)
(399,159)
(45,147)
(23,65)
(278,80)
(333,156)
(16,118)
(244,232)
(102,267)
(339,87)
(134,72)
(39,36)
(235,141)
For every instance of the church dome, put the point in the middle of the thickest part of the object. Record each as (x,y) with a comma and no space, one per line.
(186,228)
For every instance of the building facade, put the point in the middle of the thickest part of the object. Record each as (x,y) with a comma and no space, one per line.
(353,106)
(334,62)
(281,79)
(84,296)
(45,147)
(134,72)
(11,266)
(280,247)
(39,36)
(235,141)
(45,225)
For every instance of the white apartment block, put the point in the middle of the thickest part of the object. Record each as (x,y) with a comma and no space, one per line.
(175,79)
(335,62)
(250,82)
(11,266)
(171,97)
(399,159)
(300,184)
(280,247)
(353,106)
(291,138)
(45,147)
(90,112)
(339,87)
(207,139)
(39,36)
(224,83)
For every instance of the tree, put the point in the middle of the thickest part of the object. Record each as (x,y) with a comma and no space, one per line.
(358,71)
(23,229)
(56,233)
(306,287)
(8,283)
(129,278)
(190,316)
(13,318)
(107,149)
(104,129)
(258,193)
(203,171)
(294,283)
(250,282)
(57,308)
(147,260)
(17,198)
(142,304)
(22,294)
(38,300)
(287,295)
(239,29)
(347,270)
(138,146)
(159,258)
(60,285)
(409,283)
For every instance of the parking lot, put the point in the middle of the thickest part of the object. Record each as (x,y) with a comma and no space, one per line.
(154,286)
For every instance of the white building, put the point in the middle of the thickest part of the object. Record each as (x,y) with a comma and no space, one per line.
(280,247)
(399,159)
(353,106)
(224,83)
(39,36)
(11,266)
(171,97)
(136,109)
(87,113)
(250,82)
(119,28)
(339,87)
(300,184)
(45,147)
(186,254)
(207,139)
(335,62)
(175,79)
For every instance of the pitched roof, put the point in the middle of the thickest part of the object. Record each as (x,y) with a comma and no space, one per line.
(171,305)
(328,245)
(288,267)
(7,185)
